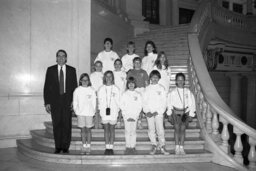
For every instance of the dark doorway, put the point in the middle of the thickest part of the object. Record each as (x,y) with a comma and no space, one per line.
(185,15)
(150,10)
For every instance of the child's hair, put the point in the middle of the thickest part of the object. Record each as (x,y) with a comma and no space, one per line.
(136,59)
(158,62)
(155,72)
(98,62)
(130,43)
(131,80)
(105,75)
(152,44)
(108,40)
(180,74)
(85,75)
(118,60)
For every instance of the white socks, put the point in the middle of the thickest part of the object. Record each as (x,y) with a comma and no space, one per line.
(109,146)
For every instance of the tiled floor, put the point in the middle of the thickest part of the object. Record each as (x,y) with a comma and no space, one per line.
(11,160)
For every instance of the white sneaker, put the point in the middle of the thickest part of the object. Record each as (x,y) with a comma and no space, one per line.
(153,150)
(88,149)
(163,151)
(83,149)
(182,152)
(177,149)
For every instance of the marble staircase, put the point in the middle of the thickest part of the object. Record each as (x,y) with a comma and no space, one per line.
(172,40)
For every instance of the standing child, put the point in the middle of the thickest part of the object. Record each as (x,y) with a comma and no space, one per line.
(131,106)
(161,65)
(149,59)
(127,59)
(181,106)
(120,82)
(107,56)
(154,106)
(141,78)
(84,104)
(109,97)
(97,82)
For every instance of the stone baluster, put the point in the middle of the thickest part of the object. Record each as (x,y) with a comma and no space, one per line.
(224,135)
(238,146)
(209,119)
(215,126)
(252,154)
(204,112)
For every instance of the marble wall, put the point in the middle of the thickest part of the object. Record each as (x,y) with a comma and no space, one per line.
(31,33)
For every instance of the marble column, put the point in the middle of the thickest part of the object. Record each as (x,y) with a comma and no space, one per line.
(251,100)
(235,93)
(175,12)
(134,12)
(231,5)
(165,12)
(249,9)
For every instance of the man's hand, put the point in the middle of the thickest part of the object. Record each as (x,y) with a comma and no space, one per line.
(48,108)
(155,113)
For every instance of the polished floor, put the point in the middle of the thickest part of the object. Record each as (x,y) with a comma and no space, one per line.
(11,160)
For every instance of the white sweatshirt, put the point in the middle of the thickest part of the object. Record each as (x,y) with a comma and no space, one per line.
(131,104)
(127,61)
(120,80)
(148,62)
(84,101)
(107,59)
(181,98)
(109,96)
(154,99)
(165,77)
(96,80)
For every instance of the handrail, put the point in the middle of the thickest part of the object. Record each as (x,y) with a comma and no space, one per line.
(211,108)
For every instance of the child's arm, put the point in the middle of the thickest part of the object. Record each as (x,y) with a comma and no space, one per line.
(75,101)
(94,100)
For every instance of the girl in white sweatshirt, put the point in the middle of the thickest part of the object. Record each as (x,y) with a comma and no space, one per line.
(149,59)
(131,106)
(181,107)
(154,106)
(109,99)
(162,66)
(84,104)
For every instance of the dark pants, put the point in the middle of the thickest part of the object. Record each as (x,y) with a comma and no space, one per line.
(61,120)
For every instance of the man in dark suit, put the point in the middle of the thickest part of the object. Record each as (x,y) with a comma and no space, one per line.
(60,82)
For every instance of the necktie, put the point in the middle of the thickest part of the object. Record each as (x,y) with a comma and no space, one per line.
(61,81)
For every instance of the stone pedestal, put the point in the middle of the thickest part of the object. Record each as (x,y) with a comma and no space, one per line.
(251,100)
(235,93)
(249,9)
(134,12)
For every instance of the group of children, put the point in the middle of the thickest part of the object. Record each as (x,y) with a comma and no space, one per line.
(131,88)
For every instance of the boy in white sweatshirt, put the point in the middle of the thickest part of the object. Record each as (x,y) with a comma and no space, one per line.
(84,104)
(154,106)
(109,100)
(127,59)
(181,107)
(131,106)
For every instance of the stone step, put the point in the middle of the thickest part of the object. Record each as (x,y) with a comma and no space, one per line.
(41,137)
(33,150)
(120,133)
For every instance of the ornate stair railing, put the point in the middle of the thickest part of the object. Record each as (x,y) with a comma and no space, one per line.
(216,119)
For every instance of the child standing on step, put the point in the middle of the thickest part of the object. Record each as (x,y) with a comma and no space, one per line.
(84,104)
(154,106)
(161,65)
(141,78)
(97,81)
(107,56)
(127,59)
(181,107)
(120,82)
(109,100)
(131,106)
(149,59)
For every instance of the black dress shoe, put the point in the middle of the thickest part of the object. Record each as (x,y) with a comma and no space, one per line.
(106,152)
(57,151)
(65,151)
(111,152)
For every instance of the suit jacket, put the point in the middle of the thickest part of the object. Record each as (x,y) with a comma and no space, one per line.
(51,86)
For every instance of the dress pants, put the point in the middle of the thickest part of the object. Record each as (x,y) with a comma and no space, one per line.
(62,121)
